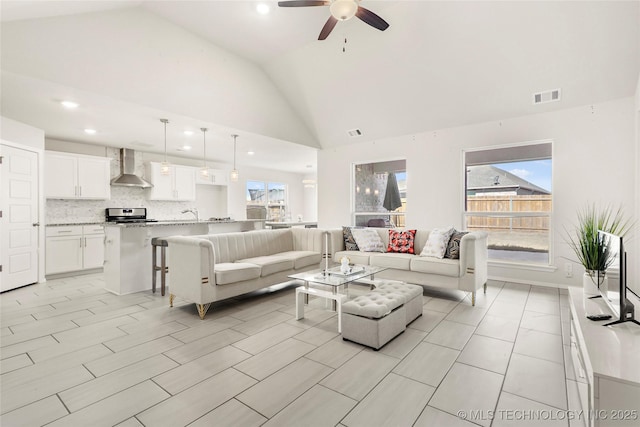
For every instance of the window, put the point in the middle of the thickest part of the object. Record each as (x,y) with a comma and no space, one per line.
(271,197)
(380,194)
(508,194)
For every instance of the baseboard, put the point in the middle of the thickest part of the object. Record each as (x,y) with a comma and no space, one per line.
(529,282)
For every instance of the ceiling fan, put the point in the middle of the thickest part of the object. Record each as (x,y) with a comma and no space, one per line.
(341,10)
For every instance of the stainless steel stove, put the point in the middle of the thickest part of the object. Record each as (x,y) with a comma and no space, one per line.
(127,215)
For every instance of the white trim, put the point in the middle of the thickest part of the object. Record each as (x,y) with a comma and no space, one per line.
(528,282)
(522,266)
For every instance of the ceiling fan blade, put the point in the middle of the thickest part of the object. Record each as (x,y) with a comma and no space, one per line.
(303,3)
(371,18)
(326,30)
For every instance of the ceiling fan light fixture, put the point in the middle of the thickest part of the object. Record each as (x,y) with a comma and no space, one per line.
(343,10)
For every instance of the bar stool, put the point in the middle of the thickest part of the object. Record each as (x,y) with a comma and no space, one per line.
(163,269)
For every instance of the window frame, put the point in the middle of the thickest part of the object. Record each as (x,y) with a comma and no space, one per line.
(282,207)
(514,215)
(393,216)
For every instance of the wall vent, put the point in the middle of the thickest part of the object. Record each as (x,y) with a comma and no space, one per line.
(354,133)
(546,96)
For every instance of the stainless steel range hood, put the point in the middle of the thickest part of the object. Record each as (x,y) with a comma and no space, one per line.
(127,177)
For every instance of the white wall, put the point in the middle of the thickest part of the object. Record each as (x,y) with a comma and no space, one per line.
(593,161)
(237,190)
(633,279)
(20,133)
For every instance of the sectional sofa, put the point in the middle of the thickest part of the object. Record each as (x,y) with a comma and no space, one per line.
(468,273)
(208,268)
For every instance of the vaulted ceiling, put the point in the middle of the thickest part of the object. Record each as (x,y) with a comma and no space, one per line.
(221,65)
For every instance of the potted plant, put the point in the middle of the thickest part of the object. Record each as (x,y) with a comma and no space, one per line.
(590,249)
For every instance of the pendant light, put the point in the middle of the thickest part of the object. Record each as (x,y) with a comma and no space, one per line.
(204,172)
(234,173)
(165,167)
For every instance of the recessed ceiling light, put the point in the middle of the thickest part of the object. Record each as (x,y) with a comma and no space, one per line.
(186,147)
(263,8)
(69,104)
(251,153)
(188,132)
(90,131)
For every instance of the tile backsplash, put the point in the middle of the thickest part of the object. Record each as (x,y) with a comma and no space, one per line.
(211,201)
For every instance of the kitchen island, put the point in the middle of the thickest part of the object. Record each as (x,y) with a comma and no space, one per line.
(127,259)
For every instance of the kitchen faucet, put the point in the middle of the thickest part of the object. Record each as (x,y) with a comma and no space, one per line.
(193,211)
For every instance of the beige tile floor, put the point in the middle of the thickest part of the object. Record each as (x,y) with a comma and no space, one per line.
(75,355)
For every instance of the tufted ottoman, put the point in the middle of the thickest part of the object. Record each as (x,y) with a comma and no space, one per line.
(412,296)
(373,319)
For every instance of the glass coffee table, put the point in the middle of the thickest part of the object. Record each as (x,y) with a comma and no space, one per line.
(330,284)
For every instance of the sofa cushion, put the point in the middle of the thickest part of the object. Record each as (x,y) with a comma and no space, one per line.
(302,259)
(437,243)
(453,248)
(232,272)
(368,240)
(270,264)
(391,260)
(355,257)
(443,267)
(401,241)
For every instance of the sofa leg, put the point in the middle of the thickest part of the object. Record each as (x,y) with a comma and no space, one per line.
(171,297)
(485,287)
(473,298)
(202,309)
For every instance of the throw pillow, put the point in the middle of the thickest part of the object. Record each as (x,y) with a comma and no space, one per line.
(401,241)
(368,240)
(349,242)
(453,248)
(437,242)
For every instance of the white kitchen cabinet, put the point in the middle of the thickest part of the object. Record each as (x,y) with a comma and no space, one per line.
(74,248)
(215,177)
(180,184)
(93,246)
(75,176)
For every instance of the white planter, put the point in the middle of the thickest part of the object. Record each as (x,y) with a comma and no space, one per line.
(593,284)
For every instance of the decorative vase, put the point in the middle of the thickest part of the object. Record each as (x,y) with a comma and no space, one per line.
(344,265)
(594,283)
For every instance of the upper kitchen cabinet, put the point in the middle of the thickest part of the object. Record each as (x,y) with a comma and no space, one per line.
(76,176)
(215,177)
(178,185)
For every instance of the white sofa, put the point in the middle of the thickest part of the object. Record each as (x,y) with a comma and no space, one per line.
(208,268)
(469,273)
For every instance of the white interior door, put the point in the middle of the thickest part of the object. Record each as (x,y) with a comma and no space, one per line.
(19,222)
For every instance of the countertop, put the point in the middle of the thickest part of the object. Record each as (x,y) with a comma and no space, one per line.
(170,223)
(612,350)
(151,224)
(67,224)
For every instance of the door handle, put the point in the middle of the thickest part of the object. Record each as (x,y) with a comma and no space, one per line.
(35,224)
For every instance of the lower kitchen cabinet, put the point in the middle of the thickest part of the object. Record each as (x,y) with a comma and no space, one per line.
(74,248)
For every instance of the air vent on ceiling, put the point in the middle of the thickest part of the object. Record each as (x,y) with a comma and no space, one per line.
(354,133)
(546,96)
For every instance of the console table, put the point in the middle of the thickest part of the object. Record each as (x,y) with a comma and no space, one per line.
(606,361)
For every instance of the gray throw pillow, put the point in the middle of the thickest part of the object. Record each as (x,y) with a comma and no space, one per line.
(453,248)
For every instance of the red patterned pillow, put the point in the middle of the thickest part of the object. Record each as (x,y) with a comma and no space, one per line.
(401,241)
